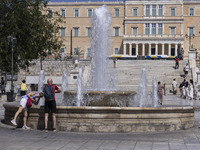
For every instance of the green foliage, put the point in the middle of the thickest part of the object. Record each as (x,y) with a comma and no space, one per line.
(36,32)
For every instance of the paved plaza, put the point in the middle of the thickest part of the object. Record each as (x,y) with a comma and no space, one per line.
(14,139)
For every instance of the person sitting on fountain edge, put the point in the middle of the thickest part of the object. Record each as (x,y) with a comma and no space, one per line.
(25,103)
(50,102)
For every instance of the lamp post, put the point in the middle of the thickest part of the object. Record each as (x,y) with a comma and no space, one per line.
(190,36)
(12,39)
(71,45)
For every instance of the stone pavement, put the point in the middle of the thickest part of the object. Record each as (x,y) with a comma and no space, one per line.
(14,139)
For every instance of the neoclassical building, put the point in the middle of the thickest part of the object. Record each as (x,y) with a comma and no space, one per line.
(148,28)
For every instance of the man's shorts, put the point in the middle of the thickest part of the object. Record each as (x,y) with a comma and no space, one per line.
(23,102)
(50,106)
(186,72)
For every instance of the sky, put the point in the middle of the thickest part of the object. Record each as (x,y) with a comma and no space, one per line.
(84,0)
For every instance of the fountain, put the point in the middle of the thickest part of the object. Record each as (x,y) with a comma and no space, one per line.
(101,108)
(101,90)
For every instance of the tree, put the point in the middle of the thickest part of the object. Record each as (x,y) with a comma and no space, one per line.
(36,32)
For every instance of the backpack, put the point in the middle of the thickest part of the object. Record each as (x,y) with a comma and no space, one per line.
(48,92)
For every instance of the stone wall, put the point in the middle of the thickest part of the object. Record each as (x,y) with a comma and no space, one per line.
(109,119)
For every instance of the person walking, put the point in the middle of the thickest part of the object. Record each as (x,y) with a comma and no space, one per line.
(3,86)
(182,53)
(181,89)
(25,104)
(174,85)
(177,62)
(191,89)
(160,92)
(23,88)
(50,103)
(186,69)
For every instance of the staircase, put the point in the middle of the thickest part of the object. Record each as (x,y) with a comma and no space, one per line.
(128,73)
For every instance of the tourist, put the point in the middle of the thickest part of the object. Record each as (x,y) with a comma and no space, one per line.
(174,84)
(114,62)
(191,89)
(160,93)
(50,102)
(3,86)
(177,62)
(23,88)
(186,69)
(25,104)
(182,53)
(181,90)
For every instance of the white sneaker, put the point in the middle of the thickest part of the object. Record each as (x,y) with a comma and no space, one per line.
(26,128)
(14,122)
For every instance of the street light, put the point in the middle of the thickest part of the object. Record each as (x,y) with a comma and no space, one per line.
(12,39)
(190,39)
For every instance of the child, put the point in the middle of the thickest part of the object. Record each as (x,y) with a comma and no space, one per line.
(26,103)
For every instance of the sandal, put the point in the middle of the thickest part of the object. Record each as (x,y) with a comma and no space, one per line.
(54,129)
(45,130)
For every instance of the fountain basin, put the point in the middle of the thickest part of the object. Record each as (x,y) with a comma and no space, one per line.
(100,98)
(108,119)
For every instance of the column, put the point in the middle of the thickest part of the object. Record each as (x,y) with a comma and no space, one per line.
(169,49)
(143,49)
(124,52)
(149,49)
(130,49)
(137,49)
(176,49)
(156,49)
(163,49)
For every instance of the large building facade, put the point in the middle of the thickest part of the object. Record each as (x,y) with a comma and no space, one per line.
(148,28)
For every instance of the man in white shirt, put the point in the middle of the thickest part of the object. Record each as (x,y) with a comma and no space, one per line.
(174,85)
(186,69)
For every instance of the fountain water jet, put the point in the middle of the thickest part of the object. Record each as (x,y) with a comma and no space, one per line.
(64,83)
(41,82)
(100,75)
(154,92)
(79,88)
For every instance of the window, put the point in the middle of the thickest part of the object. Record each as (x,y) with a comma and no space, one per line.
(116,50)
(63,13)
(75,31)
(173,30)
(153,28)
(116,12)
(134,30)
(147,10)
(191,12)
(160,10)
(191,31)
(62,32)
(76,13)
(154,10)
(160,30)
(62,50)
(116,31)
(89,12)
(49,12)
(134,11)
(173,11)
(89,51)
(89,31)
(147,28)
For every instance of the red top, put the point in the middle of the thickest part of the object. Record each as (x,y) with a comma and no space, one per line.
(54,89)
